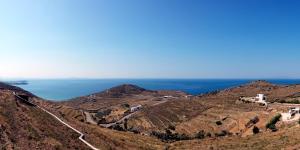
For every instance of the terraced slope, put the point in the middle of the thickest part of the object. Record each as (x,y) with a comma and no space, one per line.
(123,94)
(183,116)
(287,138)
(202,112)
(27,127)
(161,116)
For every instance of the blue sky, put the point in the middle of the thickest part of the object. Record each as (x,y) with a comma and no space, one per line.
(149,39)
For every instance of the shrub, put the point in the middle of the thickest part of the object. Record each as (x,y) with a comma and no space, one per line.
(271,124)
(126,105)
(282,101)
(219,123)
(294,102)
(273,128)
(208,134)
(179,137)
(274,120)
(127,112)
(200,135)
(168,132)
(255,130)
(126,124)
(252,121)
(117,127)
(222,133)
(169,136)
(171,127)
(102,121)
(104,113)
(134,130)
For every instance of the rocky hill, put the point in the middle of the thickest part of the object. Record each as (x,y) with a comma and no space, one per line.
(23,126)
(218,114)
(274,92)
(122,90)
(122,94)
(4,86)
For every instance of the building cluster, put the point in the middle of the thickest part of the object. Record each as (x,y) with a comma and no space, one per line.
(260,98)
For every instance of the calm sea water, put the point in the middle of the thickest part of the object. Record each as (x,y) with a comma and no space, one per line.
(65,89)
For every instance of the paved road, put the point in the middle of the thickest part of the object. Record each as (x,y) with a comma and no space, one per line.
(119,121)
(81,137)
(89,118)
(160,102)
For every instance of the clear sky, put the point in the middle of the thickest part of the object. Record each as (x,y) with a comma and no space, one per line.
(149,39)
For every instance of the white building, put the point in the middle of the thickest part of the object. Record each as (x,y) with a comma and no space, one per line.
(135,108)
(294,111)
(260,98)
(292,115)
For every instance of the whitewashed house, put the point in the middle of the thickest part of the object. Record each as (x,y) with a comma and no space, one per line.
(292,115)
(135,108)
(294,111)
(260,98)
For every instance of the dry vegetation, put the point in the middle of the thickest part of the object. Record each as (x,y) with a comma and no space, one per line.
(172,112)
(26,127)
(211,121)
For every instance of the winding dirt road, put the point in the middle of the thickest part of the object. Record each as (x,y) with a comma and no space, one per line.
(81,137)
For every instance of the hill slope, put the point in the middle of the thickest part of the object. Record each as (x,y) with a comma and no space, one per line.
(27,127)
(4,86)
(169,112)
(122,90)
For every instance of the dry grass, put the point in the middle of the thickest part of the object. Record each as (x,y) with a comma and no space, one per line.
(172,112)
(189,117)
(283,139)
(28,127)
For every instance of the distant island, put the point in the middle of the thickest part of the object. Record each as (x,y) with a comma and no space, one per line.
(20,82)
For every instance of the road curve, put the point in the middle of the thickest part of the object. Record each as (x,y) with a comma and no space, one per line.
(122,119)
(69,126)
(114,123)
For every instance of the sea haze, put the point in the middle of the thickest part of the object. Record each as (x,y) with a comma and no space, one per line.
(57,90)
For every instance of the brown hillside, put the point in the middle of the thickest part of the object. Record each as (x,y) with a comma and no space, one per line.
(125,89)
(169,113)
(202,112)
(27,127)
(4,86)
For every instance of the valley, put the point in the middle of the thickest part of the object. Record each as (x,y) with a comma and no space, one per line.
(130,117)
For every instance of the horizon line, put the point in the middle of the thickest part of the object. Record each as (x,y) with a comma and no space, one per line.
(150,78)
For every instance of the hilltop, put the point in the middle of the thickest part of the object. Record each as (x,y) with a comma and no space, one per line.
(122,90)
(122,94)
(25,126)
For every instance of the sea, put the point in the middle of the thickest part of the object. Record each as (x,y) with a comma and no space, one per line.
(64,89)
